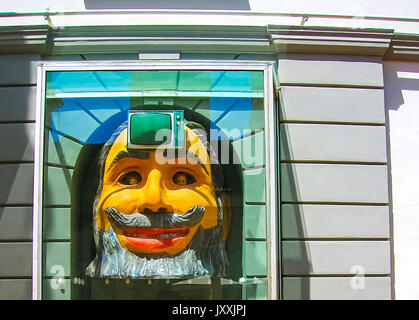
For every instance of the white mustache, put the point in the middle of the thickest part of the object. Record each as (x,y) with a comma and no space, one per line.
(157,219)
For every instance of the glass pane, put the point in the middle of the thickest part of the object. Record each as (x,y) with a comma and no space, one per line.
(152,83)
(125,218)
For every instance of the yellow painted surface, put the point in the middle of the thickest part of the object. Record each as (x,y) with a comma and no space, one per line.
(132,185)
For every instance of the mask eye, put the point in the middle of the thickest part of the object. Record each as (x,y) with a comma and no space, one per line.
(183,178)
(130,178)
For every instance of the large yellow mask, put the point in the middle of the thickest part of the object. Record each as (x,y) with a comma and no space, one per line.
(149,182)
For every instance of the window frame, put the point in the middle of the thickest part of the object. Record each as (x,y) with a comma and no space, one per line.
(271,149)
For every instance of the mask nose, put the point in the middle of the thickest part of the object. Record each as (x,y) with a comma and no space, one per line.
(154,194)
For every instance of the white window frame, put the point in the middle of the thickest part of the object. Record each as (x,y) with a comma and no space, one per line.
(271,179)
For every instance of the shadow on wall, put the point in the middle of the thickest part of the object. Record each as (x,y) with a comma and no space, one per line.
(397,77)
(168,4)
(16,177)
(16,134)
(296,260)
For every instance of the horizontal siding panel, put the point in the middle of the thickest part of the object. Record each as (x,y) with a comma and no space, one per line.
(333,142)
(17,183)
(15,289)
(61,150)
(334,183)
(18,69)
(258,290)
(57,257)
(336,288)
(334,221)
(254,221)
(344,71)
(254,185)
(335,257)
(17,103)
(58,186)
(17,141)
(353,105)
(56,223)
(15,223)
(255,258)
(51,290)
(16,259)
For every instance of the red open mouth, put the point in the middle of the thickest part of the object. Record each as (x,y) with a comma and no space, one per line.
(153,238)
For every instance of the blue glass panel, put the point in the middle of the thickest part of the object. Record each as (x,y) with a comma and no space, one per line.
(95,115)
(80,118)
(243,116)
(87,81)
(85,108)
(204,83)
(71,120)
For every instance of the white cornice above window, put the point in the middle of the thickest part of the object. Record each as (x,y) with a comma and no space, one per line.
(271,39)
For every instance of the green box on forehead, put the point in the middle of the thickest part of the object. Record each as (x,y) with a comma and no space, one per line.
(150,129)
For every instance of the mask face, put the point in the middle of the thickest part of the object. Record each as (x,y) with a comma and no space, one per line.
(155,202)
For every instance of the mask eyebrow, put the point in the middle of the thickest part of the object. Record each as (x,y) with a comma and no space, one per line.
(130,153)
(188,154)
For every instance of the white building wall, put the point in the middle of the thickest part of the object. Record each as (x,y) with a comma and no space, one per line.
(401,84)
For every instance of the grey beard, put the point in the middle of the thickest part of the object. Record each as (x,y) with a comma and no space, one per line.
(205,255)
(156,220)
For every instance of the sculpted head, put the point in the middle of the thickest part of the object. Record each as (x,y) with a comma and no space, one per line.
(159,213)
